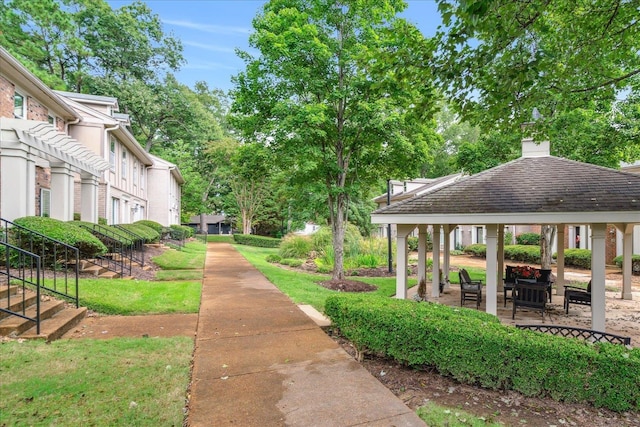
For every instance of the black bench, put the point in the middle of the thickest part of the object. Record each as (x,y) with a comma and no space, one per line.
(532,295)
(575,295)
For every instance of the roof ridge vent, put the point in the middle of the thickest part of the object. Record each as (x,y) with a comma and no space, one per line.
(530,148)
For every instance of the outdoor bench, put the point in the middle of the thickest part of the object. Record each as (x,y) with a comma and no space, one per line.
(571,332)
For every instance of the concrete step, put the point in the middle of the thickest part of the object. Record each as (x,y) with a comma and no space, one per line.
(109,275)
(96,270)
(8,290)
(15,325)
(17,302)
(56,326)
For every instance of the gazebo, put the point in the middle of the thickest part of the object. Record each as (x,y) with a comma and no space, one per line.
(536,189)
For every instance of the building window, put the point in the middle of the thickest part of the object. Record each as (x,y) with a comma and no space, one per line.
(124,163)
(112,155)
(135,173)
(51,119)
(18,106)
(45,202)
(115,211)
(142,177)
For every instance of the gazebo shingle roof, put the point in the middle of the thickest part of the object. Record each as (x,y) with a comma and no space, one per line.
(530,184)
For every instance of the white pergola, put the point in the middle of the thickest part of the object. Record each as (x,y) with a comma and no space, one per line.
(535,189)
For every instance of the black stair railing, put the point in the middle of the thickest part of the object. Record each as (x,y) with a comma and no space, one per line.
(59,262)
(138,244)
(173,237)
(118,258)
(20,274)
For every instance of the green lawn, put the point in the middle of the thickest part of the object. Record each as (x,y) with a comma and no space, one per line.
(191,256)
(122,381)
(302,288)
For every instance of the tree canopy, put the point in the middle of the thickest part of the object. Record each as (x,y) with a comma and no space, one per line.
(333,95)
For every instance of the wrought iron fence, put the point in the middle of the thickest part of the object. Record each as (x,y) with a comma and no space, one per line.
(585,334)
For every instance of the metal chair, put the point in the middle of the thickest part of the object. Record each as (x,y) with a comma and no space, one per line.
(469,289)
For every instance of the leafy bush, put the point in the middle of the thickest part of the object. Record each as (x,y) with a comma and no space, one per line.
(577,257)
(476,249)
(88,245)
(635,263)
(273,258)
(150,235)
(151,224)
(451,340)
(102,221)
(528,239)
(258,241)
(112,232)
(321,239)
(295,246)
(523,253)
(179,232)
(413,241)
(291,262)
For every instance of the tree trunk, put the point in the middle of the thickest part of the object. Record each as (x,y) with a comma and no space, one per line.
(203,225)
(547,234)
(338,226)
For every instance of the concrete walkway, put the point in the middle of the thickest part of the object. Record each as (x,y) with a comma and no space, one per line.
(260,361)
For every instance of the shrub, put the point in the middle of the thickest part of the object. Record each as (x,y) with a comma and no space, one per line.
(523,253)
(412,243)
(426,335)
(179,232)
(291,262)
(88,245)
(295,246)
(151,224)
(321,239)
(577,257)
(112,232)
(528,239)
(102,221)
(150,235)
(476,249)
(258,241)
(273,258)
(635,263)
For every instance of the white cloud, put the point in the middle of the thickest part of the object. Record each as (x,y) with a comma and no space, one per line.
(211,47)
(214,29)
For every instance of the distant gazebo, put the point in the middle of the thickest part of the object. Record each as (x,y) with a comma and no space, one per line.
(535,189)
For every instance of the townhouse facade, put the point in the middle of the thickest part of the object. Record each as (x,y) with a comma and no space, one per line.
(67,155)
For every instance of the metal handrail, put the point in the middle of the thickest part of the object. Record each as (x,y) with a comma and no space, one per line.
(18,274)
(115,246)
(138,244)
(64,258)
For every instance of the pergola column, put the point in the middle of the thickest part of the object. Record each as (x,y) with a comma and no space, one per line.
(500,281)
(598,276)
(435,276)
(89,198)
(560,261)
(422,253)
(61,192)
(446,266)
(401,256)
(492,269)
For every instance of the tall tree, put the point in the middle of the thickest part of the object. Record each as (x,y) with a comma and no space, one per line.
(333,94)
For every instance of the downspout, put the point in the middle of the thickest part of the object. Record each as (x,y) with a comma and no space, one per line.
(67,124)
(105,155)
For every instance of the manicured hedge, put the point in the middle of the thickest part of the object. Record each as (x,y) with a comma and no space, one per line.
(259,241)
(88,245)
(180,232)
(151,224)
(531,239)
(635,263)
(577,257)
(522,253)
(476,249)
(149,234)
(475,348)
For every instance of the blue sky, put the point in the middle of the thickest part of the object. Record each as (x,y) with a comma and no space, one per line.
(211,30)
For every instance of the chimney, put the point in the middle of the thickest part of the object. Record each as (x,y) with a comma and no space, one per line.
(530,148)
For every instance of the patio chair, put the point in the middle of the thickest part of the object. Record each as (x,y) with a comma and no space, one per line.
(469,289)
(575,295)
(509,281)
(529,294)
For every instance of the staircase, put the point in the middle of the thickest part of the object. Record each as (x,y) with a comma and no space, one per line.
(56,316)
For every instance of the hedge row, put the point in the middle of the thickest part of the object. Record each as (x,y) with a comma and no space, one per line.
(179,232)
(259,241)
(151,224)
(635,263)
(474,348)
(522,253)
(114,232)
(577,257)
(149,234)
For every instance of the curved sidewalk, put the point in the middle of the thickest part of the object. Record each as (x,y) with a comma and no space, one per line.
(260,361)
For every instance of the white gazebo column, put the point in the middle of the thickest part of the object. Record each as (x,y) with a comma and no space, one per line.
(401,259)
(89,198)
(598,303)
(627,249)
(435,275)
(61,192)
(492,269)
(500,281)
(446,263)
(560,261)
(422,253)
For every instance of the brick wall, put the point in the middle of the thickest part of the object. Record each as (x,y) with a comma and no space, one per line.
(7,90)
(36,111)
